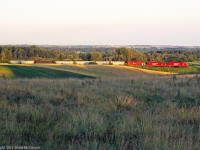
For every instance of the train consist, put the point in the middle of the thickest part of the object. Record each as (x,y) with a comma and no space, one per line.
(156,64)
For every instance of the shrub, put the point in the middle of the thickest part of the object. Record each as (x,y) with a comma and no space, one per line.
(92,63)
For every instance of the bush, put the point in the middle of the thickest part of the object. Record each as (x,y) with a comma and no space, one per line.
(92,63)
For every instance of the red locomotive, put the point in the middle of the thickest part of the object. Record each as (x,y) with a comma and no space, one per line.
(177,64)
(156,64)
(135,63)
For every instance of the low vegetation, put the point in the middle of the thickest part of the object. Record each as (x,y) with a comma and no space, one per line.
(138,113)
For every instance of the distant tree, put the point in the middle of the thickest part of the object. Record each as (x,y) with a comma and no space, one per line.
(8,54)
(73,55)
(89,57)
(110,58)
(129,54)
(61,57)
(138,56)
(3,56)
(122,54)
(83,56)
(96,56)
(191,58)
(158,58)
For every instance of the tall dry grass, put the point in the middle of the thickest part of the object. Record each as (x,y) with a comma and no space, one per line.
(143,113)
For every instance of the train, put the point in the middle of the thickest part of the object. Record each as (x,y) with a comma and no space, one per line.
(156,64)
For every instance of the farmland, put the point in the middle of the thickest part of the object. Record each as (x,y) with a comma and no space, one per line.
(124,109)
(104,71)
(70,71)
(18,71)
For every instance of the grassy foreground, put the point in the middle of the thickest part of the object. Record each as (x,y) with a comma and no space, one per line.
(141,113)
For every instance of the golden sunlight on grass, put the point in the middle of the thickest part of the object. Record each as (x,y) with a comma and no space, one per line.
(6,72)
(150,71)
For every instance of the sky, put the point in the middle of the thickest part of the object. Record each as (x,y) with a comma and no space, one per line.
(100,22)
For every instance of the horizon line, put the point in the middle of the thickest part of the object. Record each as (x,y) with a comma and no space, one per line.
(161,45)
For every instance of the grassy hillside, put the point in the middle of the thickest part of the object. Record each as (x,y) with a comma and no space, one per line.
(6,72)
(124,71)
(107,71)
(20,71)
(138,113)
(79,71)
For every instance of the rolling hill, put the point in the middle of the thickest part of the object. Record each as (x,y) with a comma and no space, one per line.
(19,71)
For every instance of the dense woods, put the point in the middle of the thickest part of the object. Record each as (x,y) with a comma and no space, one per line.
(173,55)
(8,53)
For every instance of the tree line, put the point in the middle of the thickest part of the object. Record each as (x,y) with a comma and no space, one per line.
(173,55)
(8,53)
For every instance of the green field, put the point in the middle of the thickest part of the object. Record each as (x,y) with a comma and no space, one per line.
(17,71)
(104,71)
(124,109)
(88,71)
(68,71)
(197,63)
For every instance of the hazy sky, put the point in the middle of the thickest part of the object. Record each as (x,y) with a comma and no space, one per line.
(71,22)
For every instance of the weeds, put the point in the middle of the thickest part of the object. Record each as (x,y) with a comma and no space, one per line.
(147,113)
